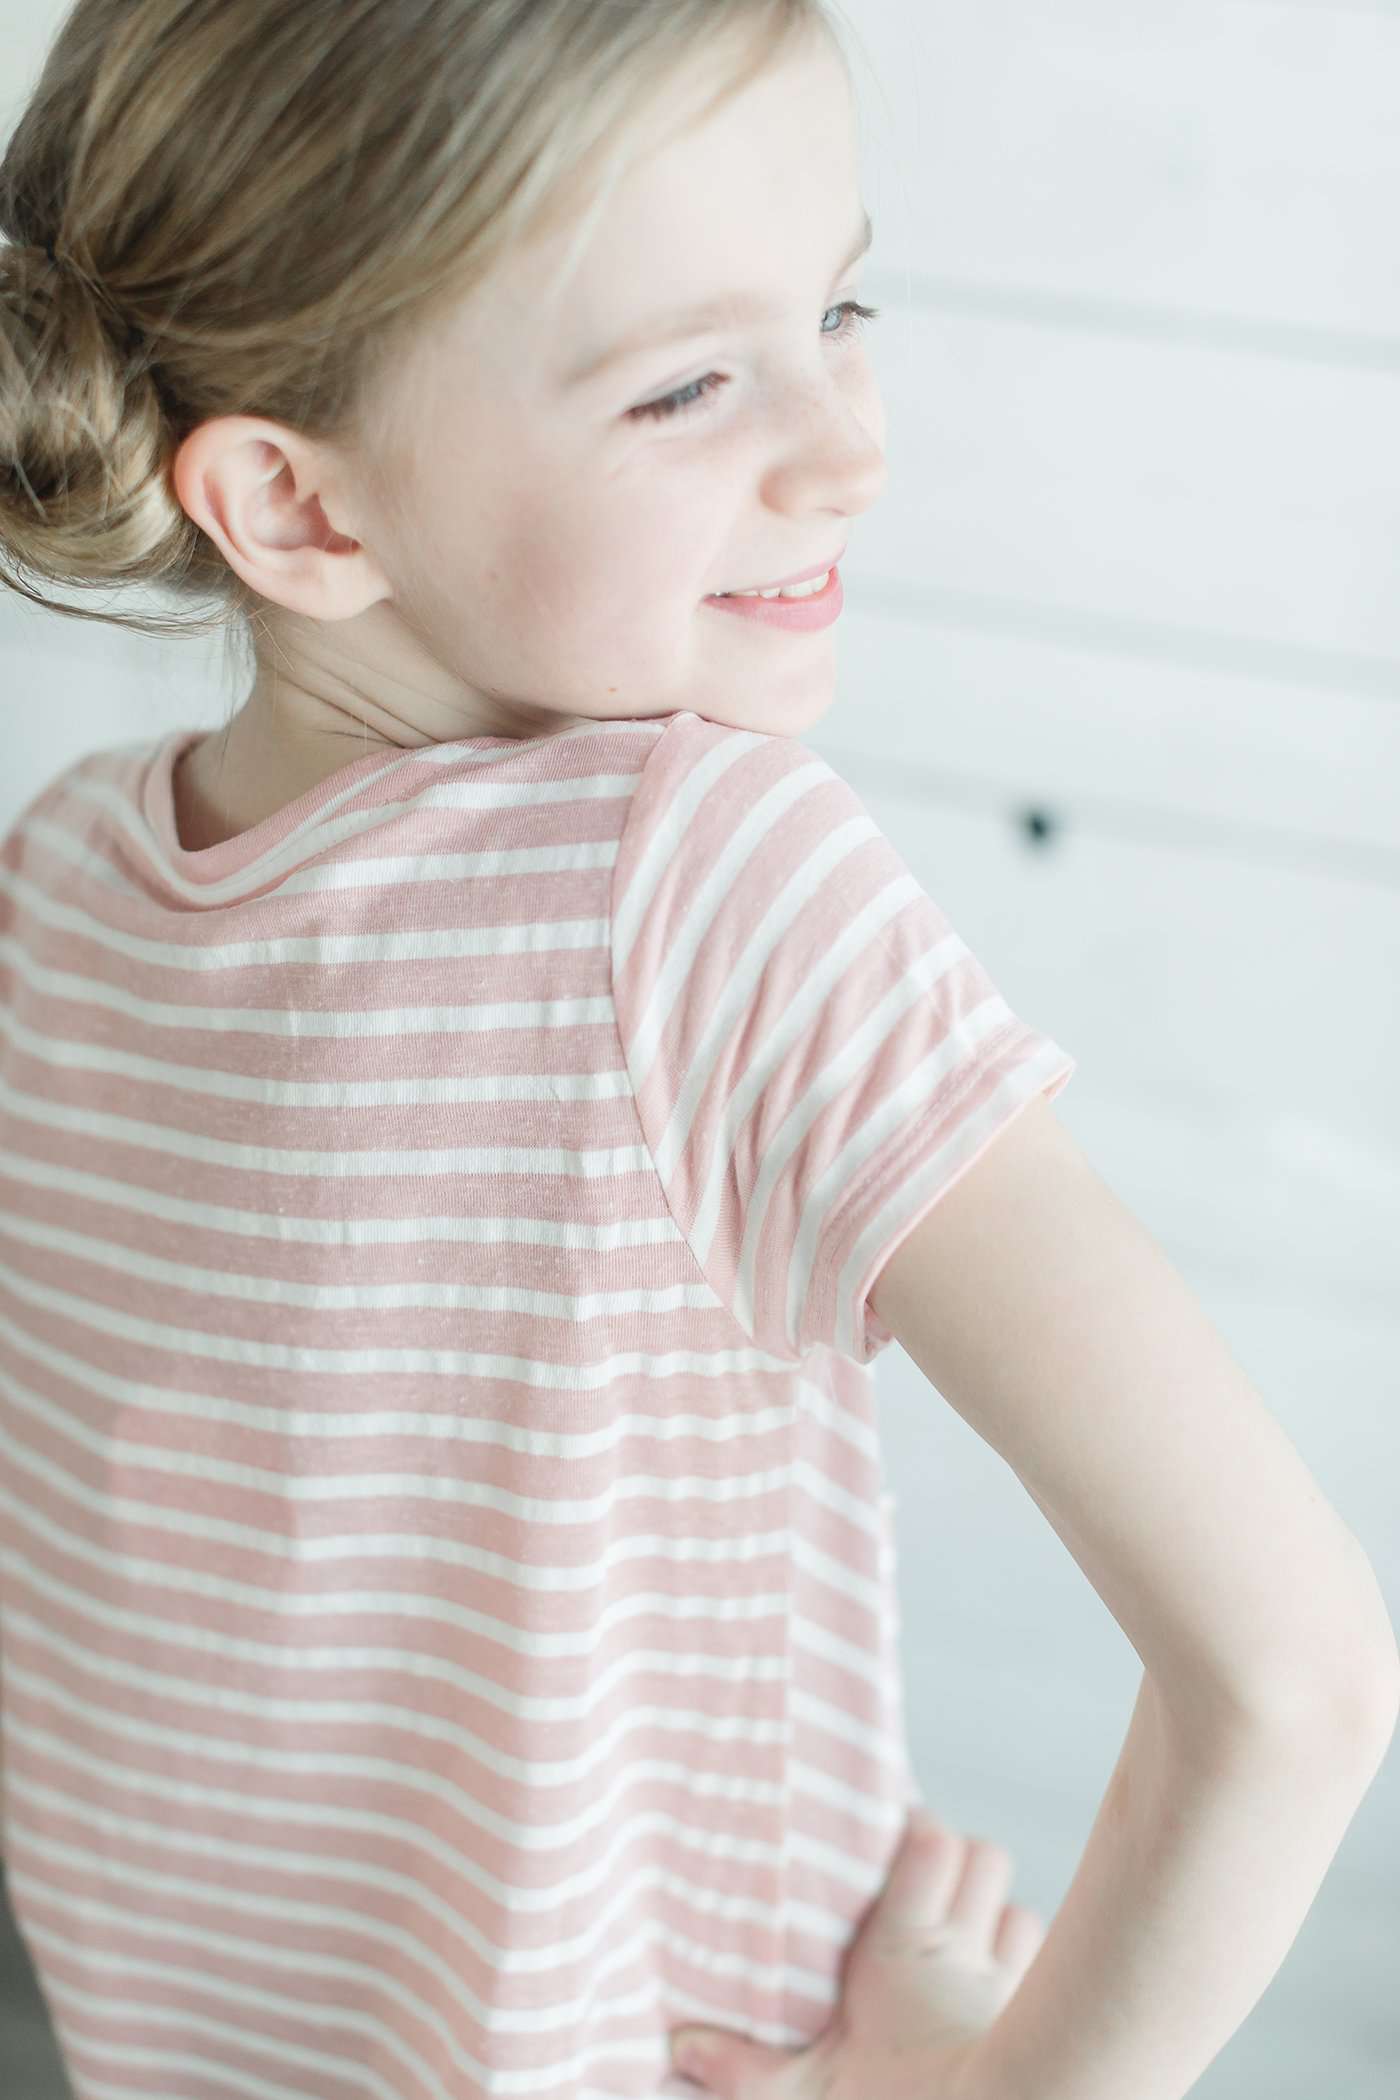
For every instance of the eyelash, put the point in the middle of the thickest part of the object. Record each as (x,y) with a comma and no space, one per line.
(687,398)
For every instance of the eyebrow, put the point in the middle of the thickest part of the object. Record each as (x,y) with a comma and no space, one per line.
(682,323)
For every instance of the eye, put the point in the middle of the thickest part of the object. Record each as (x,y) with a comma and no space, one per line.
(694,396)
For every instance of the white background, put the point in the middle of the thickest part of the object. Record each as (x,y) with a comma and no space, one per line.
(1137,574)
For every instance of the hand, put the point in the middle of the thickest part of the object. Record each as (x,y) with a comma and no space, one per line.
(936,1958)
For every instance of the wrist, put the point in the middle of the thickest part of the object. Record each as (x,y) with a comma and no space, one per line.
(967,2075)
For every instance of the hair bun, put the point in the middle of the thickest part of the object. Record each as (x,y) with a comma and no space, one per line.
(82,439)
(118,327)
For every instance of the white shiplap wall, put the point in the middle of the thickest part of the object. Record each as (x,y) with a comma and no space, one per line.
(1138,573)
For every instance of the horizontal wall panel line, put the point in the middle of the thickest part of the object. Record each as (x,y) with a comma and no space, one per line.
(1332,7)
(1248,656)
(1295,341)
(1086,815)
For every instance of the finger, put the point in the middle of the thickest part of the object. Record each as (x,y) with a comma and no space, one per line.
(1020,1936)
(922,1879)
(729,2065)
(976,1907)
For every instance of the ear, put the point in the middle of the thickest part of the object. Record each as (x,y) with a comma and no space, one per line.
(272,501)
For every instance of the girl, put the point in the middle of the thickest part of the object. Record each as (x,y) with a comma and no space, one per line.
(453,1120)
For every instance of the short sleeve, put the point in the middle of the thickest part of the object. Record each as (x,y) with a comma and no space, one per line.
(815,1055)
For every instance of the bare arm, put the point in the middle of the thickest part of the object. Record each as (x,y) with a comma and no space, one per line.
(1041,1309)
(1202,1864)
(1044,1312)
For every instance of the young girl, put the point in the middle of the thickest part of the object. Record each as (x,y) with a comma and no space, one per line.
(453,1122)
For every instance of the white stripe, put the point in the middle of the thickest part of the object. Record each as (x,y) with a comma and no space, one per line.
(564,2077)
(599,1163)
(89,1317)
(488,1230)
(323,950)
(527,1370)
(792,1027)
(661,1230)
(743,986)
(582,857)
(397,1670)
(964,1045)
(328,1489)
(429,1090)
(674,1553)
(325,877)
(643,1824)
(622,1425)
(325,829)
(674,1546)
(423,1778)
(630,912)
(361,1980)
(599,1765)
(86,857)
(833,1794)
(119,2011)
(238,1287)
(126,816)
(707,1613)
(703,1837)
(686,938)
(692,1550)
(808,1780)
(636,1892)
(637,1955)
(308,1022)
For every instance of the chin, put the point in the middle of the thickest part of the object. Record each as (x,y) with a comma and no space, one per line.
(792,715)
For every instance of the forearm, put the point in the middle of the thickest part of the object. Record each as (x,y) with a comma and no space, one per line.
(1203,1862)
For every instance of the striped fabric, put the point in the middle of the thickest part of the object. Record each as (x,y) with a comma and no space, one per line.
(448,1626)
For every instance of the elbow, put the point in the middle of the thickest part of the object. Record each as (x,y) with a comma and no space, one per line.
(1358,1696)
(1330,1686)
(1374,1706)
(1370,1704)
(1360,1711)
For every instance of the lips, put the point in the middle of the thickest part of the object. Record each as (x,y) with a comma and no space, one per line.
(807,614)
(780,582)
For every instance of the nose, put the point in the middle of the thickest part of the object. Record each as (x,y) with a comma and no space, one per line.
(838,448)
(840,465)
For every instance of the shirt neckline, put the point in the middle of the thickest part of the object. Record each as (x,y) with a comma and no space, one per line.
(212,875)
(208,865)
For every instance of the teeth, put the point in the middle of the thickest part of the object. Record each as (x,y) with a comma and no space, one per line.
(791,590)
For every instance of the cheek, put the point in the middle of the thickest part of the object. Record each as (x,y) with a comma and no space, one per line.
(870,407)
(577,588)
(642,546)
(598,552)
(537,560)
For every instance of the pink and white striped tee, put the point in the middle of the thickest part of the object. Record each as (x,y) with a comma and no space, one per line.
(448,1625)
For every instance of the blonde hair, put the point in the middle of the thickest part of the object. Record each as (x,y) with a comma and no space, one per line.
(255,208)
